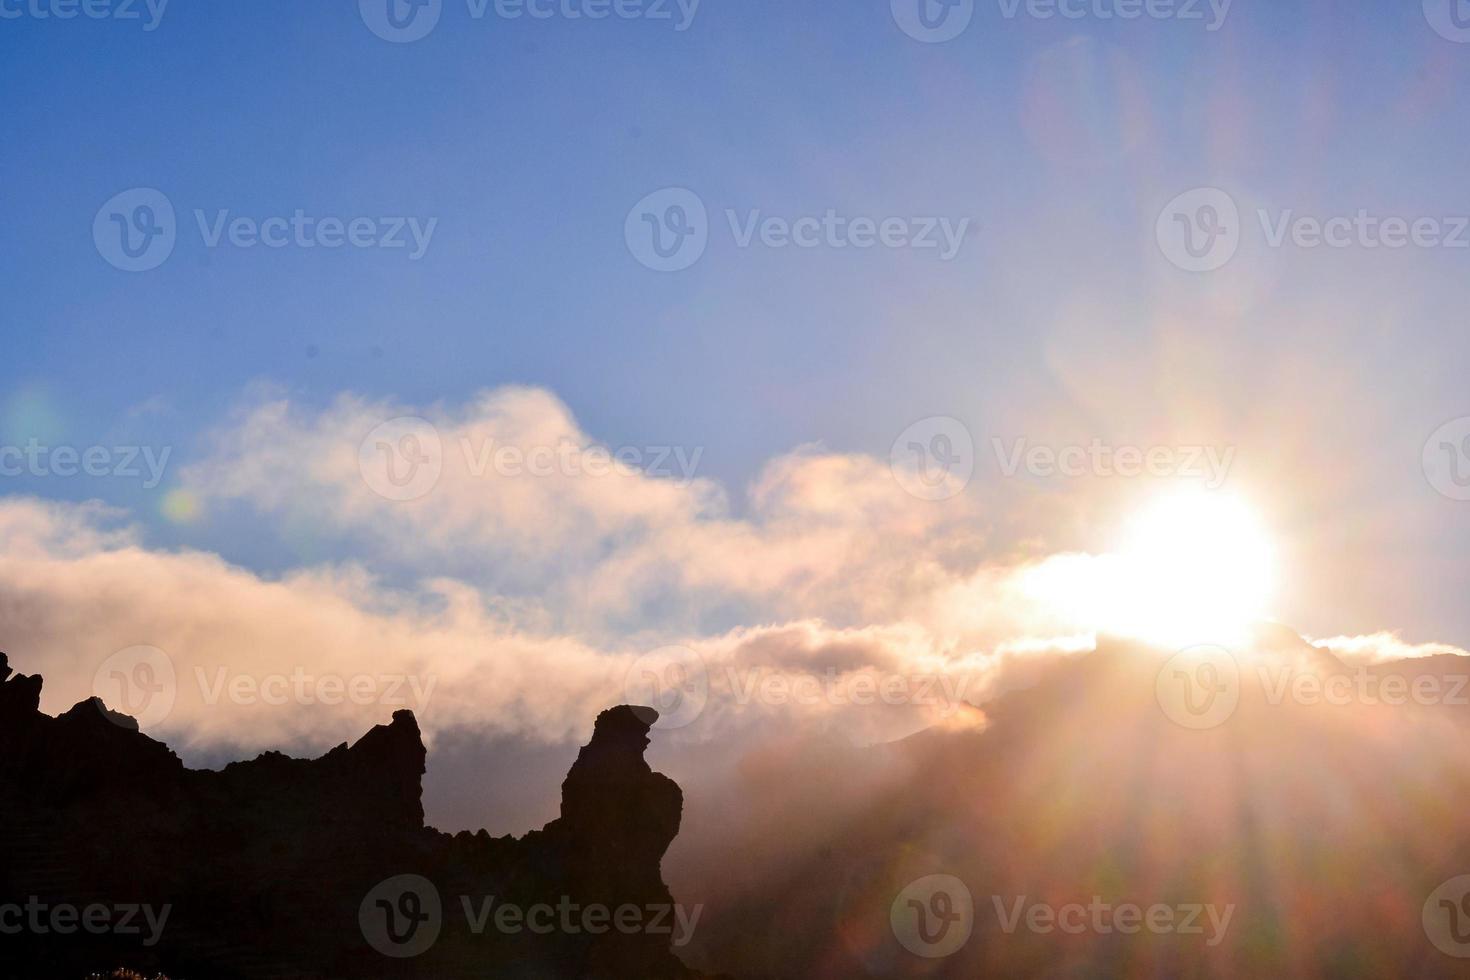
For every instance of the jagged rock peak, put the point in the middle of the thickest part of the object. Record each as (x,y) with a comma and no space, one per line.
(94,708)
(19,694)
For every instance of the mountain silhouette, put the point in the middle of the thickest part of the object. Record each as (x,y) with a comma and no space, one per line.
(1268,811)
(322,868)
(1331,828)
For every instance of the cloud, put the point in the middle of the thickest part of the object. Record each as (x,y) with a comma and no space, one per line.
(1384,646)
(249,654)
(33,528)
(67,611)
(256,662)
(597,546)
(822,602)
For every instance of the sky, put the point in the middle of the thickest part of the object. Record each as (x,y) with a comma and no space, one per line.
(763,248)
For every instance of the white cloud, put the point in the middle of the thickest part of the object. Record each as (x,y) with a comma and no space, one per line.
(519,604)
(825,535)
(1384,646)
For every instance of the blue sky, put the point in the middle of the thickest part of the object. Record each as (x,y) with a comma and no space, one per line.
(1060,320)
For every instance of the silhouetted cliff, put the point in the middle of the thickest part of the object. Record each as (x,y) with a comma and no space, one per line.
(116,855)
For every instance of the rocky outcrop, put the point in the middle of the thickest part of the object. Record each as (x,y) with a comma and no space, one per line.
(634,832)
(318,868)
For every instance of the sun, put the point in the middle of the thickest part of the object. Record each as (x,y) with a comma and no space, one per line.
(1194,566)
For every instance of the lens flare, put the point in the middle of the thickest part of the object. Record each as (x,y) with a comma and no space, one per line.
(1194,566)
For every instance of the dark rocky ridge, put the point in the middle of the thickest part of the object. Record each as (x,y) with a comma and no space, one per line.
(275,867)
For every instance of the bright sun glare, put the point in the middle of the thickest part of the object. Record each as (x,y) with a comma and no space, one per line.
(1193,566)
